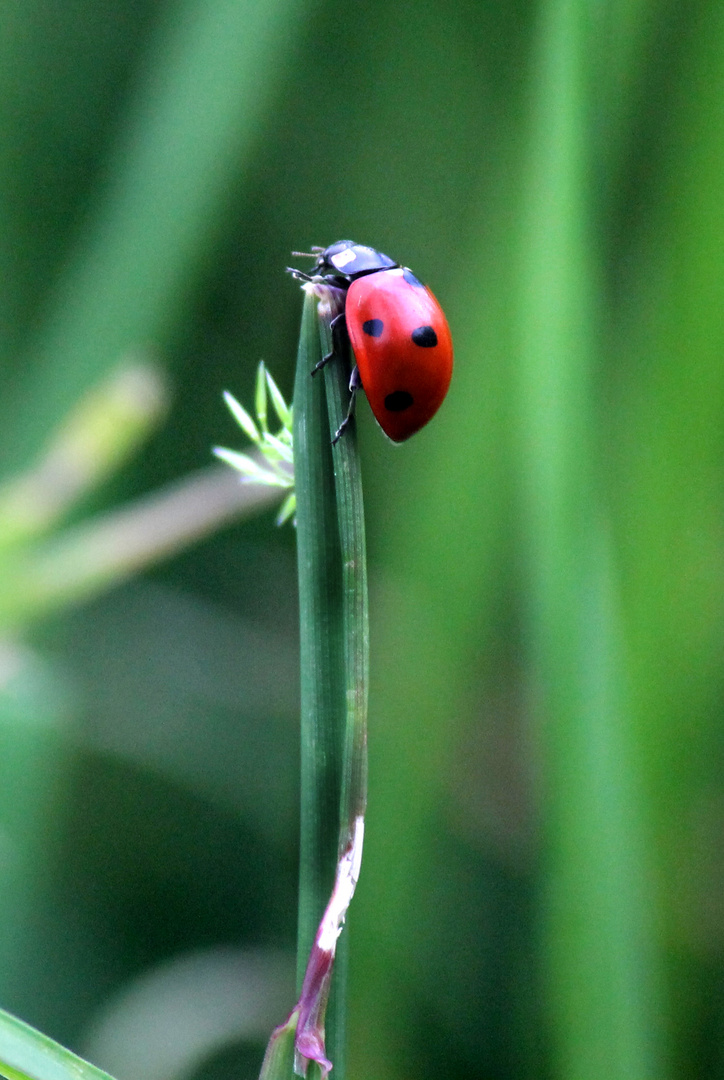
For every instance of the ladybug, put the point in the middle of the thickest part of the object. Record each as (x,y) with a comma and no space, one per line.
(398,333)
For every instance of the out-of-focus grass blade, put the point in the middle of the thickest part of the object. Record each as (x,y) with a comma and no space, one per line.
(88,558)
(260,402)
(666,443)
(242,417)
(601,983)
(439,517)
(36,704)
(197,117)
(248,467)
(280,406)
(103,428)
(25,1054)
(281,450)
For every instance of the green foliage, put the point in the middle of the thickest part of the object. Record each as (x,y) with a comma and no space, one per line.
(541,888)
(28,1055)
(277,450)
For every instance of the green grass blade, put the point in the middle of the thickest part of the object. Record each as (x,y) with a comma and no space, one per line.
(25,1054)
(335,667)
(189,138)
(104,428)
(322,651)
(350,510)
(598,901)
(88,558)
(348,481)
(242,418)
(278,1061)
(666,447)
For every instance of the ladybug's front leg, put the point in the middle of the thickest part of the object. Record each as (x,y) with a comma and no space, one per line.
(355,384)
(340,342)
(341,349)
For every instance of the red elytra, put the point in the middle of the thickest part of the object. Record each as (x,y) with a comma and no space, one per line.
(403,349)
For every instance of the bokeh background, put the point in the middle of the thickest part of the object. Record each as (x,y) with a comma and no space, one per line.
(543,887)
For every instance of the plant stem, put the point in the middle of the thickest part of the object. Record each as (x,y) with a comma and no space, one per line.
(322,655)
(350,510)
(335,664)
(355,615)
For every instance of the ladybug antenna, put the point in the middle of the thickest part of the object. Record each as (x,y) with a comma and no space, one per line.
(308,254)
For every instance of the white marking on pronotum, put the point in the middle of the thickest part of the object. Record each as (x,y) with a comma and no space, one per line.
(344,257)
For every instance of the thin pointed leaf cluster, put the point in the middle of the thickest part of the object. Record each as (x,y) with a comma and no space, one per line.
(277,468)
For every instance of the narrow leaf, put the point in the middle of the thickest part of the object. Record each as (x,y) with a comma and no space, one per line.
(281,408)
(242,417)
(26,1054)
(279,1057)
(260,400)
(287,509)
(249,469)
(282,448)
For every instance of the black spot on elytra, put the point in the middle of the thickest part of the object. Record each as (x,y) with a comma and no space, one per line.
(411,279)
(398,401)
(425,337)
(373,327)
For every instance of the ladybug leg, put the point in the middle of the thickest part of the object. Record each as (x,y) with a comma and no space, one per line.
(355,384)
(340,342)
(298,275)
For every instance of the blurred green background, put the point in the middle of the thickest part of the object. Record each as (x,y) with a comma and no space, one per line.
(542,893)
